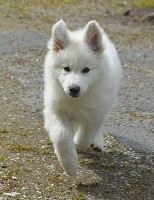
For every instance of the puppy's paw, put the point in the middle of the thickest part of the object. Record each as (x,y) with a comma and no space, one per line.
(97,148)
(68,161)
(80,144)
(98,144)
(69,166)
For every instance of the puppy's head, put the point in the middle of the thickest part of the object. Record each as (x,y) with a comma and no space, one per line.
(77,57)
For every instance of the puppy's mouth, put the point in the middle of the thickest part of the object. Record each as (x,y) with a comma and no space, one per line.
(74,95)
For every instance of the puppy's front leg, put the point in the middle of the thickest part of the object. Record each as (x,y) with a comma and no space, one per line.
(61,134)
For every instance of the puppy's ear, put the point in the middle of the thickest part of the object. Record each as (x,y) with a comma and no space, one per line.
(59,36)
(93,37)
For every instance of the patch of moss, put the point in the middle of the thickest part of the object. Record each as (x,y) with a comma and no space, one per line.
(3,134)
(142,3)
(46,19)
(84,161)
(23,133)
(2,1)
(2,157)
(5,130)
(132,3)
(151,116)
(79,196)
(46,151)
(16,146)
(133,114)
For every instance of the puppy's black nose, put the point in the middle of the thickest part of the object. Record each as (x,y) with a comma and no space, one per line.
(74,91)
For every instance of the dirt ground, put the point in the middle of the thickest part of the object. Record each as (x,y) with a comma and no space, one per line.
(29,170)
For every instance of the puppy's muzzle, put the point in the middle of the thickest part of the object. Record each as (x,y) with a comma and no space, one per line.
(74,91)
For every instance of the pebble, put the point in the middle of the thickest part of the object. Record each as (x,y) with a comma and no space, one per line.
(11,194)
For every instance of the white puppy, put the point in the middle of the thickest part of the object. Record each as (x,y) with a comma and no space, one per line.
(82,75)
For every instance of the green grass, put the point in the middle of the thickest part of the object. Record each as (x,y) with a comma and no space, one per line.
(46,151)
(79,196)
(23,133)
(17,146)
(46,19)
(2,1)
(142,3)
(25,5)
(132,3)
(28,10)
(2,157)
(4,130)
(133,114)
(84,161)
(3,133)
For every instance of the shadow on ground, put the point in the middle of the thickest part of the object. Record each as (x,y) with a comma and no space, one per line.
(121,175)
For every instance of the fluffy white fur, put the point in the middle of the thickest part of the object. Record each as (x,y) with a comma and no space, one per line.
(77,121)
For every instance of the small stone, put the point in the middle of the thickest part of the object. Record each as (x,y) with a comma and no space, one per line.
(14,178)
(11,194)
(149,16)
(3,166)
(127,13)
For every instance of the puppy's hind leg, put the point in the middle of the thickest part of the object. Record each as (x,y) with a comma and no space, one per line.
(90,136)
(85,136)
(99,143)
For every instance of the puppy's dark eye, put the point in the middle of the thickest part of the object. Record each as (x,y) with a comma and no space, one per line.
(85,70)
(67,69)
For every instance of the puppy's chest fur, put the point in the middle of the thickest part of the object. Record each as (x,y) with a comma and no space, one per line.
(80,110)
